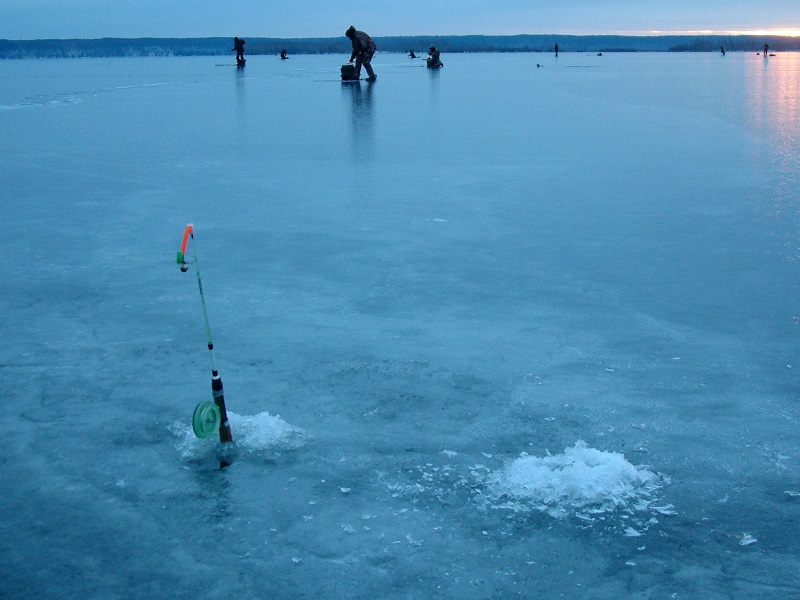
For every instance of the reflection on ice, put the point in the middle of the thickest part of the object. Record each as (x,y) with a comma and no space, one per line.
(581,481)
(424,277)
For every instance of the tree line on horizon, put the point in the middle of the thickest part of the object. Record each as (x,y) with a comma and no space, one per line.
(219,46)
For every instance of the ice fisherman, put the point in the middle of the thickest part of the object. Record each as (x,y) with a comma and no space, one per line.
(283,54)
(363,50)
(555,49)
(411,54)
(238,47)
(433,59)
(766,49)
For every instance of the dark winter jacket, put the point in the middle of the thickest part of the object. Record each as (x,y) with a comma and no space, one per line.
(361,43)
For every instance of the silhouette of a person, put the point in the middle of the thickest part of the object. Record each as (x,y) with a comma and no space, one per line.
(238,47)
(434,61)
(363,50)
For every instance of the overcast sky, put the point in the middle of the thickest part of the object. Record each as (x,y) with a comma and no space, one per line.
(36,19)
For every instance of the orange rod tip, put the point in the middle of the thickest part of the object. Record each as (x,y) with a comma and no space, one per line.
(186,233)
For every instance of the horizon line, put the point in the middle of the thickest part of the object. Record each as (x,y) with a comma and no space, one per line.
(783,32)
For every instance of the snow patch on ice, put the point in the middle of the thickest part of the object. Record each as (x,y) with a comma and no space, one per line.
(253,434)
(582,481)
(747,539)
(264,431)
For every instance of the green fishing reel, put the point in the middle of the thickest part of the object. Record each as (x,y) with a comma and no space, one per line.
(181,260)
(206,419)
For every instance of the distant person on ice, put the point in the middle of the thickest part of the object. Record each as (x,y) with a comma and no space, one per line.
(766,49)
(363,50)
(238,47)
(555,49)
(433,59)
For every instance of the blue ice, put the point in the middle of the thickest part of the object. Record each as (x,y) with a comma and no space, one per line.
(488,331)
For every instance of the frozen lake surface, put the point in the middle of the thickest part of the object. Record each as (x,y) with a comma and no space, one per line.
(493,331)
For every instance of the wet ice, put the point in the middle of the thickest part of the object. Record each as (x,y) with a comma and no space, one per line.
(409,285)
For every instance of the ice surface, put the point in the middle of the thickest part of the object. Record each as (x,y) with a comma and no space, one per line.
(425,278)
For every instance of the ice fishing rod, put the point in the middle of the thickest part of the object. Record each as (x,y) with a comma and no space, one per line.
(208,417)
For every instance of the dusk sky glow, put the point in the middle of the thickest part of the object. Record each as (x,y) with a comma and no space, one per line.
(38,19)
